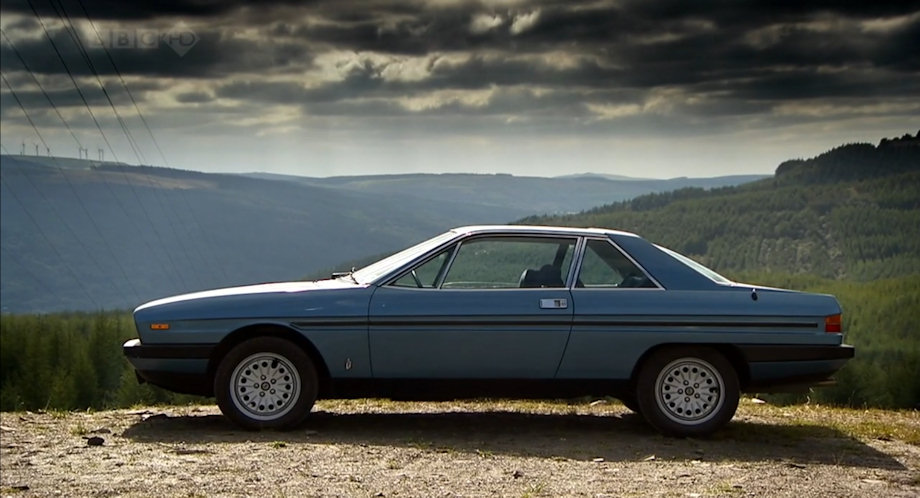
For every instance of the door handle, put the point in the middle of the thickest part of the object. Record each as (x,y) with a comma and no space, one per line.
(554,304)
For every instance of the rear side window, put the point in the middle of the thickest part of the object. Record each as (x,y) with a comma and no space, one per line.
(605,266)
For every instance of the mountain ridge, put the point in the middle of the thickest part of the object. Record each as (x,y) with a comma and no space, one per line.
(851,212)
(80,234)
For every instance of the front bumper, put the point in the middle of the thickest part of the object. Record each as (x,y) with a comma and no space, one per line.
(181,368)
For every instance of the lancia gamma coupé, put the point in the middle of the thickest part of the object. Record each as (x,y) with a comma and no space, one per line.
(496,311)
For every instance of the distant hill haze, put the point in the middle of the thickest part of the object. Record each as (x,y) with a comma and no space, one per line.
(87,235)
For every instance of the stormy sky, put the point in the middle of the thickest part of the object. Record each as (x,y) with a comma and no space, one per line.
(640,88)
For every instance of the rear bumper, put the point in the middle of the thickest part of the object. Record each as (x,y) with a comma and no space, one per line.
(792,368)
(181,368)
(795,352)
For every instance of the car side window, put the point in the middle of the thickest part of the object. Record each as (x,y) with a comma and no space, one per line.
(510,262)
(604,266)
(425,275)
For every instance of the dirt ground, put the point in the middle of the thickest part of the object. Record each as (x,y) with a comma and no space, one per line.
(476,448)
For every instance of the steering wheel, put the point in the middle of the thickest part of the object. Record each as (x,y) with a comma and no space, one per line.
(417,281)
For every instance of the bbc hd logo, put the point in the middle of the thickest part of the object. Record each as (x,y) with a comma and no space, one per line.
(180,39)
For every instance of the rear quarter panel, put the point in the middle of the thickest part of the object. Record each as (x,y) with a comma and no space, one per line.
(614,328)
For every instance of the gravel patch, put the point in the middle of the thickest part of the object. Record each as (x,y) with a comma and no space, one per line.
(484,448)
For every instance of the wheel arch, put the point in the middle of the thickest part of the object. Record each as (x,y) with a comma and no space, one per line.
(729,351)
(270,330)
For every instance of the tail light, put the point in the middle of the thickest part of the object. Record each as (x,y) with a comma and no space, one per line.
(833,324)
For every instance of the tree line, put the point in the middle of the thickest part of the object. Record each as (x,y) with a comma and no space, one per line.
(73,361)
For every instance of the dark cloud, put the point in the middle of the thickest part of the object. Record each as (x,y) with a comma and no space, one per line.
(796,85)
(169,52)
(116,9)
(194,97)
(747,14)
(32,99)
(540,63)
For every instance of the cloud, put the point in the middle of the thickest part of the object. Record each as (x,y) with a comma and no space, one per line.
(483,23)
(578,67)
(523,22)
(139,9)
(194,97)
(614,111)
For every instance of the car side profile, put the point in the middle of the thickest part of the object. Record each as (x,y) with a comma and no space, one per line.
(496,311)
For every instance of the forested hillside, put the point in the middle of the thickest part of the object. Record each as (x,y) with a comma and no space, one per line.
(846,222)
(852,212)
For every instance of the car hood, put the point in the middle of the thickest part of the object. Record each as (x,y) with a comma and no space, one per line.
(251,290)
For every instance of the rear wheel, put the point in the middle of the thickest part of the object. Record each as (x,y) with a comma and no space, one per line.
(687,391)
(266,383)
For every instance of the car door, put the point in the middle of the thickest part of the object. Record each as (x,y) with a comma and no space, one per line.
(487,307)
(611,328)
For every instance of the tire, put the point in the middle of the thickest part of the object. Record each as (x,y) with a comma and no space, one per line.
(687,391)
(289,384)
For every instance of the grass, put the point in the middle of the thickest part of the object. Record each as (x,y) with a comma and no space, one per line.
(752,421)
(793,421)
(727,488)
(534,489)
(866,424)
(7,490)
(79,430)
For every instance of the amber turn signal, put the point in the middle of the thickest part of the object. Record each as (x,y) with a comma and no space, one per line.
(159,326)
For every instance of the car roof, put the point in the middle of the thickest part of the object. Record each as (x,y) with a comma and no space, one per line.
(539,229)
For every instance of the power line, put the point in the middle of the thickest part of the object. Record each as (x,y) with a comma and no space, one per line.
(40,87)
(69,29)
(123,83)
(28,118)
(54,210)
(49,244)
(68,24)
(27,269)
(73,80)
(199,229)
(73,190)
(149,220)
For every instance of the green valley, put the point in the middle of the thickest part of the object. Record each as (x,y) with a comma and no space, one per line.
(846,222)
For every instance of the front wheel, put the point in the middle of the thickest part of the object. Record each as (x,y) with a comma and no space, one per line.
(266,383)
(687,391)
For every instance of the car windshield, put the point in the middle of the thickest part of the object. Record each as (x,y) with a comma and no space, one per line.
(706,272)
(374,271)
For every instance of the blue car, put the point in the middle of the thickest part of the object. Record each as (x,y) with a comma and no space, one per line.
(496,311)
